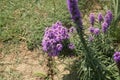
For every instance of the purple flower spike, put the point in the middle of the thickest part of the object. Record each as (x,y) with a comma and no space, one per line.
(91,29)
(96,31)
(100,17)
(110,14)
(71,46)
(74,11)
(116,57)
(92,18)
(108,17)
(104,26)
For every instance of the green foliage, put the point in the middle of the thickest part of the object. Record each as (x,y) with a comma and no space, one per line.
(25,20)
(12,21)
(115,28)
(102,50)
(103,47)
(97,62)
(50,12)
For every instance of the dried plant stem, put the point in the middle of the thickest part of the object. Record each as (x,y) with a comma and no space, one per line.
(50,65)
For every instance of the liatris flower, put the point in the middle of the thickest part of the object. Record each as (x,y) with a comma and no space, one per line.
(110,14)
(116,57)
(104,26)
(91,29)
(100,17)
(92,18)
(108,17)
(71,46)
(96,31)
(53,38)
(74,11)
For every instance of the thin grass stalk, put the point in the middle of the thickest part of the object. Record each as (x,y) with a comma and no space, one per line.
(50,70)
(54,8)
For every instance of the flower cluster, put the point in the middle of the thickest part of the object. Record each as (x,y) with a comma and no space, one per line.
(74,11)
(105,22)
(53,39)
(116,57)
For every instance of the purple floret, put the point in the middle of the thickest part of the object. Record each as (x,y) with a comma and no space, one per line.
(110,14)
(108,17)
(91,29)
(96,31)
(71,46)
(100,17)
(104,26)
(117,57)
(74,11)
(59,47)
(92,18)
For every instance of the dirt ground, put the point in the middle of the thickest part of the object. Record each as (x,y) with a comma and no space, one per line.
(22,64)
